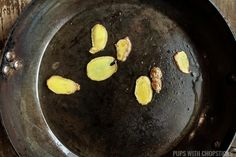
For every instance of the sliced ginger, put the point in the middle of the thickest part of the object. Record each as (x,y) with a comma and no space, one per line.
(99,38)
(60,85)
(123,48)
(143,90)
(182,62)
(156,75)
(101,68)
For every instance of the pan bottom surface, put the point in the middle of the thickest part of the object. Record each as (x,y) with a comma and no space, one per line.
(104,119)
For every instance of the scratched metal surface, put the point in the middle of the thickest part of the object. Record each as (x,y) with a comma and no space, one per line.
(11,9)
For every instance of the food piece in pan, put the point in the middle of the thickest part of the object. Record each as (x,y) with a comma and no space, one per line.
(123,48)
(101,68)
(156,76)
(182,62)
(99,38)
(60,85)
(143,90)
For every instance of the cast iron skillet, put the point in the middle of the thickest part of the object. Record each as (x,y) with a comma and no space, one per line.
(193,112)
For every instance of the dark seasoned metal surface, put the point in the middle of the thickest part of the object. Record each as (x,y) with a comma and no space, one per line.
(104,119)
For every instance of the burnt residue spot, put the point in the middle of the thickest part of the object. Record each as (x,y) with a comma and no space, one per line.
(55,65)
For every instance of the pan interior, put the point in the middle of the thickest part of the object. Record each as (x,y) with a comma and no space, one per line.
(104,119)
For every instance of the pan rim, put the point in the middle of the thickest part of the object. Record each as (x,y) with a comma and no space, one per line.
(17,26)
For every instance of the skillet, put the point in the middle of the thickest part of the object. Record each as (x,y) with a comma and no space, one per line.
(193,112)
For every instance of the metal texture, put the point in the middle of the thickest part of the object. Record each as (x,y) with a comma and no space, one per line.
(17,65)
(104,119)
(6,70)
(10,56)
(233,146)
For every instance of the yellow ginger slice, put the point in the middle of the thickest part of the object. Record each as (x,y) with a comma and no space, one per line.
(60,85)
(123,48)
(101,68)
(99,38)
(182,62)
(143,90)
